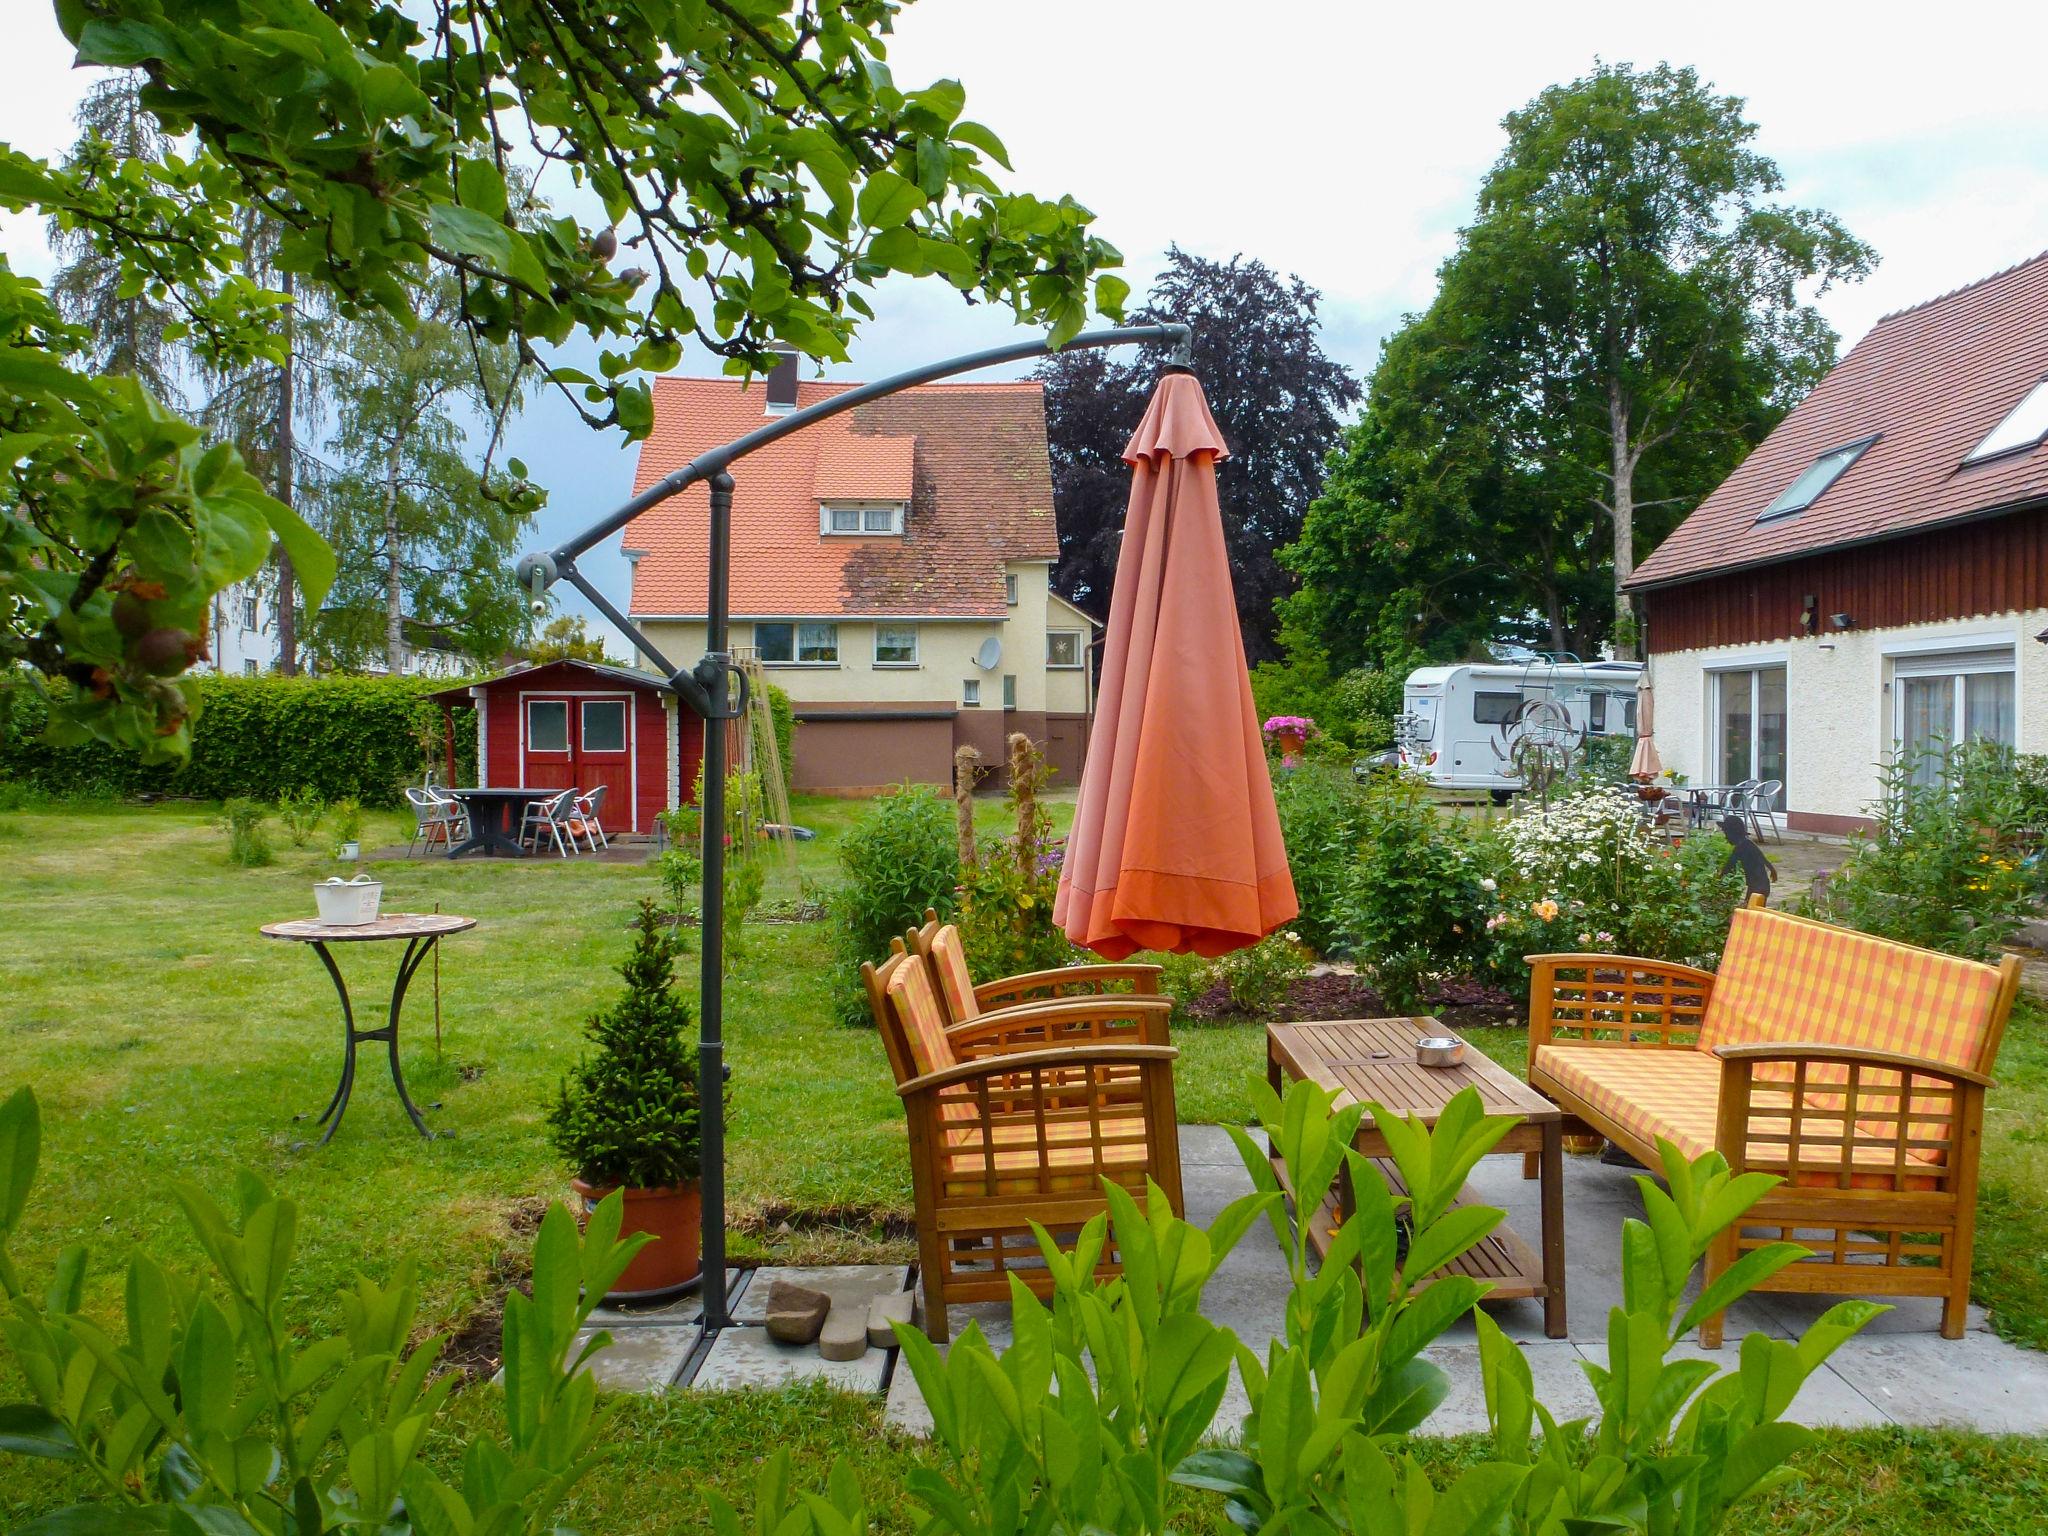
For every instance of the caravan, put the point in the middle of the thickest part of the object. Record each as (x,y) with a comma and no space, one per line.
(1459,725)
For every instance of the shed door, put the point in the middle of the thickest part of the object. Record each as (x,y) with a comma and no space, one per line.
(580,742)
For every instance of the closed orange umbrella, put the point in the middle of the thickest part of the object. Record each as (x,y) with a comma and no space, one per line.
(1175,844)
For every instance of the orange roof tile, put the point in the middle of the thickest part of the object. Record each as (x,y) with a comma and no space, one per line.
(969,458)
(855,468)
(1932,380)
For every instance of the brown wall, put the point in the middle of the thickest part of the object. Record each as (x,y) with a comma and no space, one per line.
(1066,748)
(859,755)
(1996,566)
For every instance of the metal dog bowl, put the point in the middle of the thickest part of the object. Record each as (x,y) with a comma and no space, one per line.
(1439,1051)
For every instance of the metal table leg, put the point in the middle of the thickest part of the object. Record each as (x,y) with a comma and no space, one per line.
(416,951)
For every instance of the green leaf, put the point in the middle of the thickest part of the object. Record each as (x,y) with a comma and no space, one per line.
(887,200)
(312,559)
(966,131)
(481,185)
(28,1430)
(21,1142)
(470,232)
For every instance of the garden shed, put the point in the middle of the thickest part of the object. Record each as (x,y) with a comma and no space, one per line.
(579,724)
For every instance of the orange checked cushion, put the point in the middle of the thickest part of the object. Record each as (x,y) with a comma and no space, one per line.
(949,959)
(916,1007)
(1676,1095)
(1789,980)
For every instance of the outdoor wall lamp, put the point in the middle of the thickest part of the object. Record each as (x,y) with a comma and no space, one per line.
(1841,621)
(2042,637)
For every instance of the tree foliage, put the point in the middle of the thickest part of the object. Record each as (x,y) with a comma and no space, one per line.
(758,165)
(1278,398)
(567,637)
(1628,314)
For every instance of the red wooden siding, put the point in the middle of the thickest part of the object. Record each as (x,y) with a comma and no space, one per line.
(1996,566)
(503,706)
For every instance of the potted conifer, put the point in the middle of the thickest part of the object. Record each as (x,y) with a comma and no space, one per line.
(627,1117)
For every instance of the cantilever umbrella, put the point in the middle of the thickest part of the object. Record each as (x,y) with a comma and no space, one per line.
(1175,844)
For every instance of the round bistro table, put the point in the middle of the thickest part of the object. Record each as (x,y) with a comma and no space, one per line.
(421,931)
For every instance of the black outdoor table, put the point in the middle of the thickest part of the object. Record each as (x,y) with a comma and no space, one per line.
(422,931)
(493,819)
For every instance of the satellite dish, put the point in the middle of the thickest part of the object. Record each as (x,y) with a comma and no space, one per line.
(990,656)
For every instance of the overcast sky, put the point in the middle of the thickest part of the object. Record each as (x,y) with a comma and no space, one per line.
(1345,142)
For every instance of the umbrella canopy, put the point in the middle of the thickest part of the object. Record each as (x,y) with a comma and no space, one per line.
(1175,844)
(1646,764)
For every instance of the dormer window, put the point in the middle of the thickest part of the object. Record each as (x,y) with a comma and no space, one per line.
(1815,479)
(872,519)
(2023,428)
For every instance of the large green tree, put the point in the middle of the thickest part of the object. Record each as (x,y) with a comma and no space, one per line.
(1629,312)
(759,167)
(422,537)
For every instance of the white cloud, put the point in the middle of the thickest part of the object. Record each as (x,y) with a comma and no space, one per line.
(1345,142)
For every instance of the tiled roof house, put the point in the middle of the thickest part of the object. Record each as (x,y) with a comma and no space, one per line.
(890,568)
(1873,579)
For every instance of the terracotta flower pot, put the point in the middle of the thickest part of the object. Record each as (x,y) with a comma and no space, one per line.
(675,1217)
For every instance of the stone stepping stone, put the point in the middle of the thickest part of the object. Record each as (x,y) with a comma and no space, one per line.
(644,1359)
(744,1358)
(796,1313)
(852,1285)
(899,1307)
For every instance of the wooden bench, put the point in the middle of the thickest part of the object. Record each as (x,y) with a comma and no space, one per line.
(1851,1067)
(1016,1116)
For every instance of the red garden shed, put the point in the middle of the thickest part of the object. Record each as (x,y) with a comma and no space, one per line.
(580,724)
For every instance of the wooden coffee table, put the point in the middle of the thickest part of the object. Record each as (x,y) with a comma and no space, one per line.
(1372,1061)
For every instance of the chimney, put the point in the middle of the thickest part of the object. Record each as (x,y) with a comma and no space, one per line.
(782,383)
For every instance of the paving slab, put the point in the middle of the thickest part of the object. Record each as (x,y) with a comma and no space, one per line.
(687,1308)
(850,1285)
(643,1359)
(1554,1369)
(1978,1380)
(746,1358)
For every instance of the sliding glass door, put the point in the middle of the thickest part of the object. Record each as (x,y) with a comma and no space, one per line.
(1749,727)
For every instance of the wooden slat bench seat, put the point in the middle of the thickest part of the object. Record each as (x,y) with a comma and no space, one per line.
(1851,1067)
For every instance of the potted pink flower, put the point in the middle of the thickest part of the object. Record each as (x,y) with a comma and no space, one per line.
(1290,734)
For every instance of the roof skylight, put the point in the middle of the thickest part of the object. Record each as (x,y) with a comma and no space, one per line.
(1814,480)
(2024,426)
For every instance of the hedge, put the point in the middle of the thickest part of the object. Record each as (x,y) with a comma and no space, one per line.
(259,737)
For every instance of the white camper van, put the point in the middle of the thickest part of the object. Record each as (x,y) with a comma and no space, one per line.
(1457,723)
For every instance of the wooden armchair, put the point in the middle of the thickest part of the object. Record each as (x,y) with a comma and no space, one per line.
(1850,1067)
(1016,1117)
(940,945)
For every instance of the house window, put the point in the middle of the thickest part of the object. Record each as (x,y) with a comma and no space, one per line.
(1063,648)
(1010,588)
(895,645)
(2024,426)
(1953,697)
(547,725)
(1749,727)
(860,518)
(1495,708)
(1596,712)
(1009,691)
(970,692)
(249,667)
(604,725)
(248,610)
(1815,479)
(785,643)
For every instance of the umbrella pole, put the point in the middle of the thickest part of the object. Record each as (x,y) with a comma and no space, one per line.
(711,973)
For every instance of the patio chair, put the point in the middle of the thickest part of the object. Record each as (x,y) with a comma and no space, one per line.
(590,818)
(1759,807)
(554,819)
(964,1002)
(1007,1129)
(435,820)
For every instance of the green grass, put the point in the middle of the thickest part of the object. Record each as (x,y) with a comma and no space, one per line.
(167,1040)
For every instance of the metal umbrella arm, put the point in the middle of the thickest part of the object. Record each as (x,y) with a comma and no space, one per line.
(703,688)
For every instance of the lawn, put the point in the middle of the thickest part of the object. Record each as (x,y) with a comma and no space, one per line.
(167,1040)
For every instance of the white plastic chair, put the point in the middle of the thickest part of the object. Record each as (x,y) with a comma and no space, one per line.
(434,821)
(553,818)
(589,819)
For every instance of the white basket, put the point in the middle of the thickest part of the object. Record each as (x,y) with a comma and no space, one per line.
(348,903)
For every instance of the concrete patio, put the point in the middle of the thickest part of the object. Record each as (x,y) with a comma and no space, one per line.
(1899,1370)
